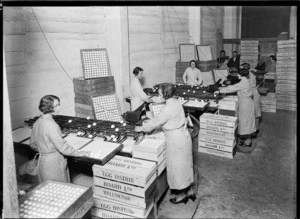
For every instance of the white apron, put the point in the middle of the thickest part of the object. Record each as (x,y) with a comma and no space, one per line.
(179,158)
(256,100)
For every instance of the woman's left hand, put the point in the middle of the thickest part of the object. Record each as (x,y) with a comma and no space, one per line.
(138,128)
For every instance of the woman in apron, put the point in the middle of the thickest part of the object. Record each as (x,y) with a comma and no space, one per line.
(46,138)
(138,95)
(256,98)
(178,142)
(246,106)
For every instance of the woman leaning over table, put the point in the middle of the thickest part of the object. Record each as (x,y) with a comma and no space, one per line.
(178,142)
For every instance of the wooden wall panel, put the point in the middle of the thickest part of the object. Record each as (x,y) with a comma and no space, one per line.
(155,35)
(33,70)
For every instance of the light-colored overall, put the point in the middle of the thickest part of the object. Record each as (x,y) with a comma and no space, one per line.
(256,96)
(47,139)
(138,96)
(178,141)
(192,76)
(245,104)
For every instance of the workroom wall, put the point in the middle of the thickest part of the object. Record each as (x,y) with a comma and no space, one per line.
(212,27)
(154,37)
(42,48)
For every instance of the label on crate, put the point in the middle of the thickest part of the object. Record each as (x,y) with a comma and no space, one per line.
(119,196)
(124,172)
(121,208)
(286,104)
(217,122)
(280,81)
(219,117)
(213,139)
(218,128)
(217,152)
(125,188)
(225,106)
(215,146)
(285,77)
(268,101)
(217,134)
(101,213)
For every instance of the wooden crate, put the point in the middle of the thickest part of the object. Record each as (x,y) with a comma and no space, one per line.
(98,86)
(187,52)
(83,110)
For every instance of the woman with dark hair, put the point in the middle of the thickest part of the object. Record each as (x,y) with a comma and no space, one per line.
(179,144)
(256,97)
(46,138)
(138,96)
(192,75)
(246,118)
(271,65)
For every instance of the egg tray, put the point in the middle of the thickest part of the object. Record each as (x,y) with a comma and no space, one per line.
(52,199)
(95,63)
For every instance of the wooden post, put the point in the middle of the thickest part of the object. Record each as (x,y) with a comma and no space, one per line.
(10,193)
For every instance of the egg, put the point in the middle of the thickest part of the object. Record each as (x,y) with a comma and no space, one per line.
(94,124)
(70,120)
(88,118)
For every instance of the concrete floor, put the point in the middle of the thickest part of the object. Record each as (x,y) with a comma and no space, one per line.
(261,184)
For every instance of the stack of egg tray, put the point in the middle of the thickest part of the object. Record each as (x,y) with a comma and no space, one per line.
(268,103)
(286,72)
(228,106)
(124,188)
(249,52)
(217,135)
(155,108)
(52,199)
(107,108)
(152,149)
(95,63)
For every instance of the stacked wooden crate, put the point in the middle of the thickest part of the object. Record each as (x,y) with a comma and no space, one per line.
(152,148)
(249,52)
(124,188)
(268,103)
(286,75)
(86,89)
(228,106)
(217,135)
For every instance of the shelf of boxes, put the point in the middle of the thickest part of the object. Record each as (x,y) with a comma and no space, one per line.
(217,135)
(124,188)
(249,52)
(268,103)
(286,71)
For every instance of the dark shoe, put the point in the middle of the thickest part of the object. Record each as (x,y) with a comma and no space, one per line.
(192,197)
(254,135)
(184,200)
